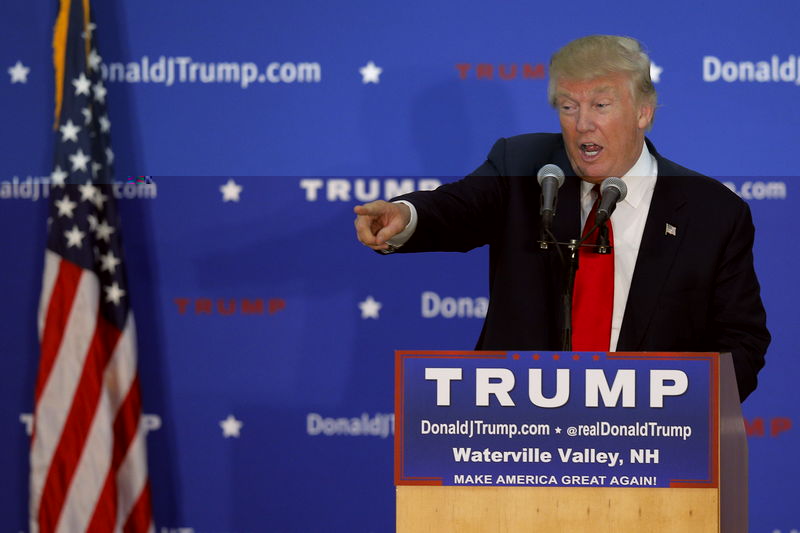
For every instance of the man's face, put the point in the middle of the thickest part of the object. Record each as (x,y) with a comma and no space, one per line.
(603,127)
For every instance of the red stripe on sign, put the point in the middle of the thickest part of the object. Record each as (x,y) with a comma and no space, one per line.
(141,515)
(125,424)
(79,421)
(58,311)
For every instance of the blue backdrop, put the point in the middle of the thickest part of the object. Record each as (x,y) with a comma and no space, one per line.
(255,303)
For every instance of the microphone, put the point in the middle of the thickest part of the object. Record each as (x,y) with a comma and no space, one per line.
(612,190)
(551,178)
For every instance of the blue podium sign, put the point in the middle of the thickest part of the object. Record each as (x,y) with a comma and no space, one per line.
(556,419)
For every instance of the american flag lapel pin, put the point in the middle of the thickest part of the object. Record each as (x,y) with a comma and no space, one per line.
(671,230)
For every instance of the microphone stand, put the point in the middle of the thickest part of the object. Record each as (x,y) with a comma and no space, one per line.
(572,263)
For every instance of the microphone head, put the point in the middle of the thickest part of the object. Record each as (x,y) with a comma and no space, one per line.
(552,171)
(616,183)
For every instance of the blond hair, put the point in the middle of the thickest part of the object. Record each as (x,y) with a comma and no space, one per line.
(601,55)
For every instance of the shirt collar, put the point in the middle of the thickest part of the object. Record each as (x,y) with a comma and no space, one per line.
(640,178)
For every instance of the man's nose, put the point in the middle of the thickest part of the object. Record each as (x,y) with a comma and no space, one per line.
(585,122)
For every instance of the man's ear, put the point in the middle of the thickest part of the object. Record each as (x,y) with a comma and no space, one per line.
(645,116)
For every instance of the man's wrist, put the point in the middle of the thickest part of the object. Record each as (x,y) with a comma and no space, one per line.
(401,238)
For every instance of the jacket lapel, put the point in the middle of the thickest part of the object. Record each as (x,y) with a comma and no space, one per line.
(667,223)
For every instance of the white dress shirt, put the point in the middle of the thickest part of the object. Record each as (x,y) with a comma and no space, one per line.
(627,224)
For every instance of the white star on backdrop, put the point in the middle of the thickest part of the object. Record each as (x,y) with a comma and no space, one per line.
(65,207)
(19,73)
(370,308)
(87,115)
(109,156)
(114,293)
(82,85)
(370,73)
(655,72)
(231,191)
(231,427)
(74,237)
(69,131)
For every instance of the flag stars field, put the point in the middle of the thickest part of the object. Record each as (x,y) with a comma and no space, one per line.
(82,85)
(69,131)
(114,293)
(74,237)
(65,207)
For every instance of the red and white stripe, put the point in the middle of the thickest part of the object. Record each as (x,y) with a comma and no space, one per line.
(88,458)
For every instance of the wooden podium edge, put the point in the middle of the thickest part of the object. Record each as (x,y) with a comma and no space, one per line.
(733,457)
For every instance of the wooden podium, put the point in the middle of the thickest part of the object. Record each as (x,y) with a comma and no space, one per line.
(480,509)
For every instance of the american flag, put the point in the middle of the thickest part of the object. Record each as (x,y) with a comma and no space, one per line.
(88,457)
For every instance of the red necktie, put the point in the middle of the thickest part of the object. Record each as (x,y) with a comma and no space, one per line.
(593,299)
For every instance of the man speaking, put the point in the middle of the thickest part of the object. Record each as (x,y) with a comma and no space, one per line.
(680,276)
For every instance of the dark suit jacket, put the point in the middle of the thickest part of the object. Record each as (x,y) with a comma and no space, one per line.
(694,291)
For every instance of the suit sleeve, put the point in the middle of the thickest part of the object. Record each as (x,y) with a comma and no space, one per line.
(738,316)
(462,215)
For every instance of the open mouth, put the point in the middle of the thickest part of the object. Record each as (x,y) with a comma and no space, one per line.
(590,150)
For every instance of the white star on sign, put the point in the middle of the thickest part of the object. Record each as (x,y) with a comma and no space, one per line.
(103,231)
(370,73)
(110,262)
(114,293)
(231,191)
(74,237)
(231,427)
(94,59)
(58,177)
(558,431)
(69,131)
(19,73)
(100,92)
(655,72)
(82,85)
(370,308)
(79,160)
(65,207)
